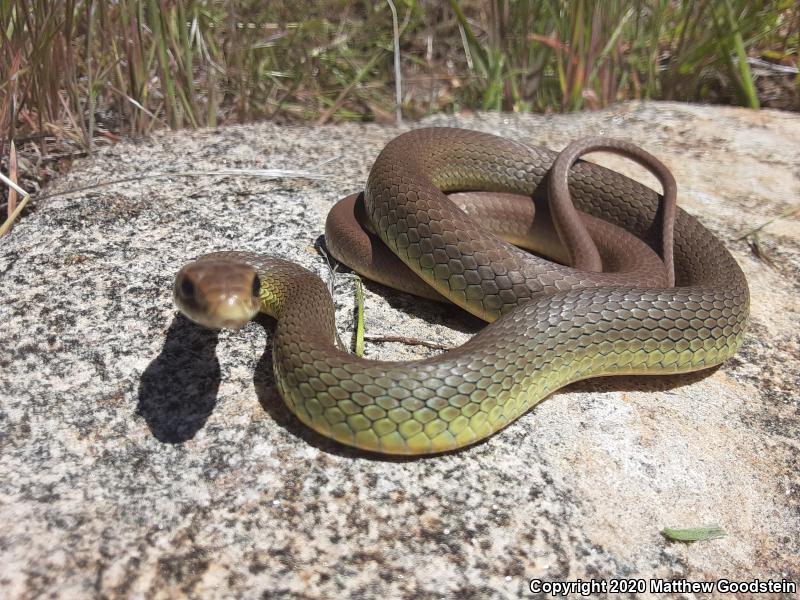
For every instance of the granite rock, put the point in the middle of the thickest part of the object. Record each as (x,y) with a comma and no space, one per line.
(142,456)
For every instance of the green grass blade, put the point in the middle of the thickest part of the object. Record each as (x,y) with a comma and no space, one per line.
(480,54)
(359,317)
(693,534)
(745,77)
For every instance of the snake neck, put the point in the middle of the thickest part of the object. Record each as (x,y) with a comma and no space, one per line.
(289,291)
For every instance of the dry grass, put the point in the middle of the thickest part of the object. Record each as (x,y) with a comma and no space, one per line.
(78,73)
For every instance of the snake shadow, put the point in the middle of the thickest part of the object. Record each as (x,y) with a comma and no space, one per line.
(178,390)
(430,311)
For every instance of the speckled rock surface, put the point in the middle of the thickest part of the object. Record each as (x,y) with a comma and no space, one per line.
(141,456)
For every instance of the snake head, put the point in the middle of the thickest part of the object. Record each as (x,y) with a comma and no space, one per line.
(217,293)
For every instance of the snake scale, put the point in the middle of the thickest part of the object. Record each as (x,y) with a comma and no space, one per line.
(550,324)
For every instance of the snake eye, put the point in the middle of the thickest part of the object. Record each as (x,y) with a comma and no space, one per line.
(256,286)
(187,288)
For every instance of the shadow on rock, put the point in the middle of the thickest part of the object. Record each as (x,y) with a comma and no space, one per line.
(640,383)
(434,313)
(178,390)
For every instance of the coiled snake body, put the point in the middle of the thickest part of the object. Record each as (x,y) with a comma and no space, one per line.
(550,324)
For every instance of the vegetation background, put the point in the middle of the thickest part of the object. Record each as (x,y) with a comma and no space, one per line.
(78,73)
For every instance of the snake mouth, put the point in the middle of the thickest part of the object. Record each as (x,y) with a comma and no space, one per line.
(217,294)
(232,312)
(213,322)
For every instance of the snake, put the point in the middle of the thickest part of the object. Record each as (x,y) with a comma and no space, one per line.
(672,300)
